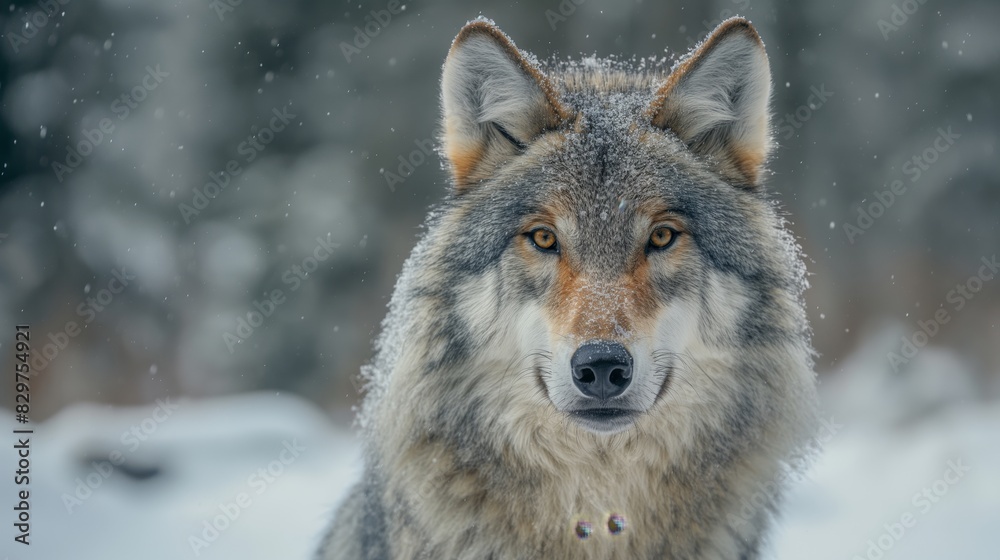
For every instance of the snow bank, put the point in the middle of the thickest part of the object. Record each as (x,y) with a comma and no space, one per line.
(182,468)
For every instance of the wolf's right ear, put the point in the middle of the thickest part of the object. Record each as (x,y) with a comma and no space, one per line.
(495,102)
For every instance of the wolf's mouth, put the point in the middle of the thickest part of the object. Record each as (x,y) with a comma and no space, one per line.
(605,420)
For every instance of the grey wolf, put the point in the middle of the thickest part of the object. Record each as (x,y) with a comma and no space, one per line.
(603,323)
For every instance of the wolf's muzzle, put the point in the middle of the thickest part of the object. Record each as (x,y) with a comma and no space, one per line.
(602,369)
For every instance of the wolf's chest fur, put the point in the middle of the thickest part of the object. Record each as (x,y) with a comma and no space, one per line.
(666,514)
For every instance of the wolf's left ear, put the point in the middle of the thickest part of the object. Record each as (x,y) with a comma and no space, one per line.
(716,101)
(495,102)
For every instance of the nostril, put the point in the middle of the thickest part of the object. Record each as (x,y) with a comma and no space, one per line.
(585,375)
(619,377)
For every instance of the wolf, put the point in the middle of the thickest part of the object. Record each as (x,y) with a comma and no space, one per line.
(598,349)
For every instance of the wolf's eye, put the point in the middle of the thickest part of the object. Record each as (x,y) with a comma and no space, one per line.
(544,240)
(661,238)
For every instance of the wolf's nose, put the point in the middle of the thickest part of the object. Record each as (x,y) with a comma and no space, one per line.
(601,369)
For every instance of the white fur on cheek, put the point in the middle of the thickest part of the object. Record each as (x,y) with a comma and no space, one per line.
(560,379)
(673,339)
(701,384)
(725,302)
(515,336)
(477,302)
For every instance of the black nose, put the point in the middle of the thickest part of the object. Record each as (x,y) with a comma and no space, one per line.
(601,369)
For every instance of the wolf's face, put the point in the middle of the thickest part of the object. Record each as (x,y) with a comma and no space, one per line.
(607,242)
(609,283)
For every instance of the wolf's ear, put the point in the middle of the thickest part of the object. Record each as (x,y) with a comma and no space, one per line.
(716,101)
(495,102)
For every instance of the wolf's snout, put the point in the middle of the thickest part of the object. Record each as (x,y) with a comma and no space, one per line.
(601,369)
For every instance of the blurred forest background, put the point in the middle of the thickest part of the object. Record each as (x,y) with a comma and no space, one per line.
(118,119)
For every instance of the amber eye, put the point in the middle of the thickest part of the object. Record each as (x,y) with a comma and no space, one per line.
(662,237)
(544,240)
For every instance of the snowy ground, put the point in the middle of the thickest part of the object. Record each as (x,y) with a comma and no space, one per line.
(864,484)
(207,453)
(184,469)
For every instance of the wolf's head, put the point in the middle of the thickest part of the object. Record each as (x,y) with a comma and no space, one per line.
(607,259)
